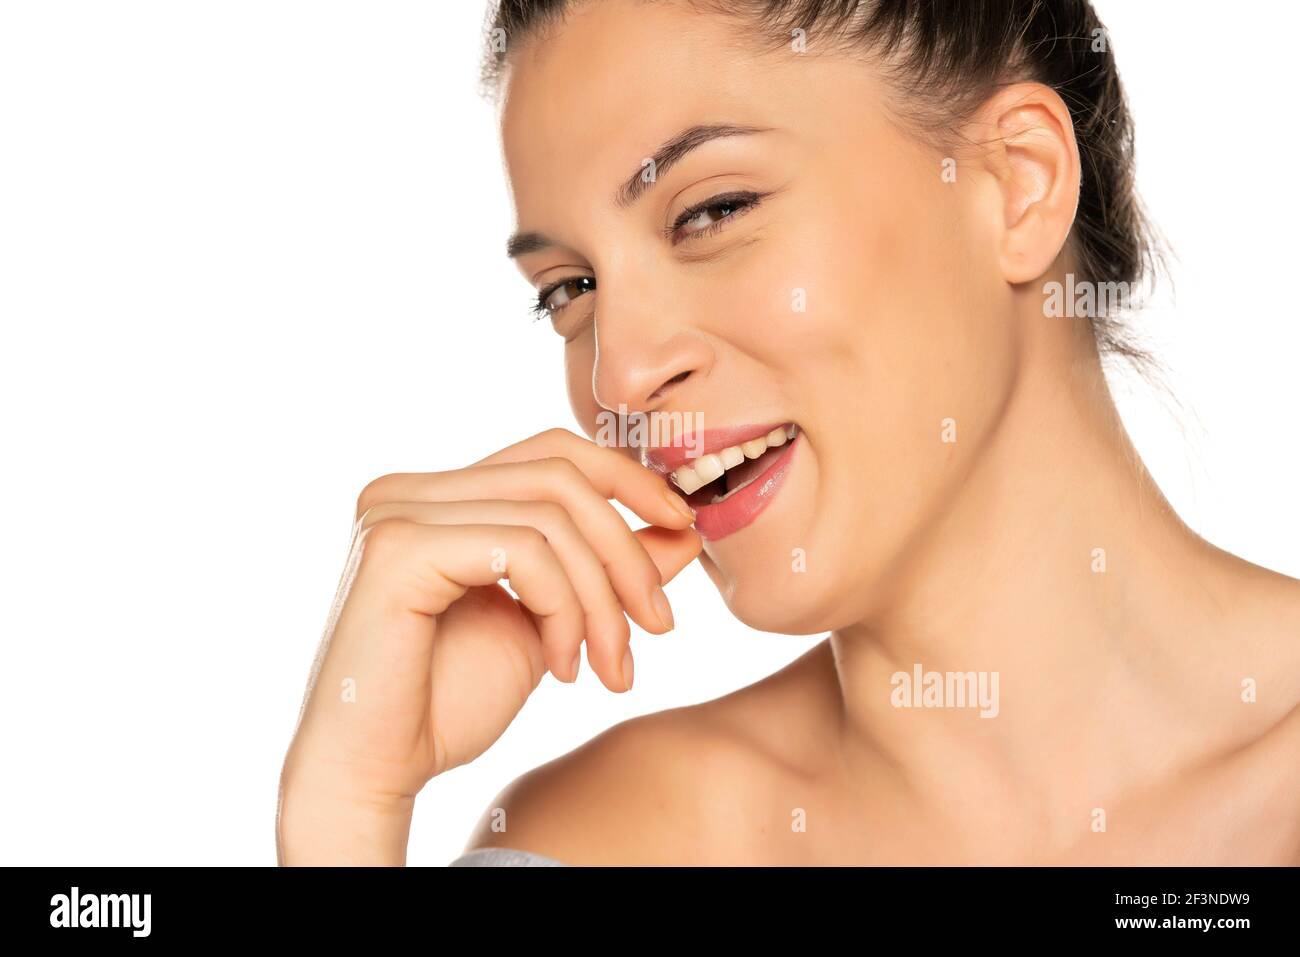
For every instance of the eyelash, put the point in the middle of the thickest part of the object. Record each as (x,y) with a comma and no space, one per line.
(742,202)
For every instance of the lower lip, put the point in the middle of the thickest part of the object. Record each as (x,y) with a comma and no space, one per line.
(718,521)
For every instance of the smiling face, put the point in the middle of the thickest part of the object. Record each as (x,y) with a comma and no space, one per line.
(800,260)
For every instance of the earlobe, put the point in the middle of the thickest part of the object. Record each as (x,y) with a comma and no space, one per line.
(1034,159)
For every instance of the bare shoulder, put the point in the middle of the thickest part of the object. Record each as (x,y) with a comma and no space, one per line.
(671,787)
(1260,623)
(1254,786)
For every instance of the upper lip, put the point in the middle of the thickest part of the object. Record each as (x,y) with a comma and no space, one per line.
(691,445)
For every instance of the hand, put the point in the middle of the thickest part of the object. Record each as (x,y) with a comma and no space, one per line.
(428,659)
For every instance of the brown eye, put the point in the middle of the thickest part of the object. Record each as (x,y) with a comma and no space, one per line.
(708,216)
(555,297)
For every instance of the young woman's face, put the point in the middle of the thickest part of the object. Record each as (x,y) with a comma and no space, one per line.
(857,296)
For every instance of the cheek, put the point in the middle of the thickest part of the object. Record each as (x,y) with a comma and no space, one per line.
(901,319)
(779,305)
(579,363)
(900,351)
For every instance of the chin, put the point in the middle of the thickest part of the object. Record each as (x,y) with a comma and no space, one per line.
(765,595)
(774,574)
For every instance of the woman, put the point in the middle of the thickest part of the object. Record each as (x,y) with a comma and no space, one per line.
(838,236)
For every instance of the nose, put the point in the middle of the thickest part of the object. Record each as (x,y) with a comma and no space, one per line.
(644,362)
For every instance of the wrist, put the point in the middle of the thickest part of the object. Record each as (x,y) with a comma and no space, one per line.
(320,822)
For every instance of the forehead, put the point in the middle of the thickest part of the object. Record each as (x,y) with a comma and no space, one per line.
(586,100)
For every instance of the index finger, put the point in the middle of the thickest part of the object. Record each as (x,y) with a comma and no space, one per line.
(612,475)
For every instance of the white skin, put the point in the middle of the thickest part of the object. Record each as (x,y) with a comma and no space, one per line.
(1119,690)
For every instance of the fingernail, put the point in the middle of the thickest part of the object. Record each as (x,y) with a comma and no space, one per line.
(662,608)
(627,668)
(577,663)
(679,504)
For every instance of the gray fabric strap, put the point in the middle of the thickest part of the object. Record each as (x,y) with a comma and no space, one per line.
(503,857)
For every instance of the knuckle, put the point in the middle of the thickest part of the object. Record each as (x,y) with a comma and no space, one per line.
(524,541)
(529,539)
(559,434)
(384,539)
(560,470)
(373,494)
(372,515)
(552,514)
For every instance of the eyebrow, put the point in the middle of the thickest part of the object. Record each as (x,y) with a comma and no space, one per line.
(670,153)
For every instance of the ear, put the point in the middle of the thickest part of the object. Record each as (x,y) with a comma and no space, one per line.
(1032,155)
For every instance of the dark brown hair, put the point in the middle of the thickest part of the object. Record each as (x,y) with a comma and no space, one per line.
(944,59)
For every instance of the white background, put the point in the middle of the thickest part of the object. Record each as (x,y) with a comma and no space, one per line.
(251,257)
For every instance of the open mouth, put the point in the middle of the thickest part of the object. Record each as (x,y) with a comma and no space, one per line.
(713,478)
(735,478)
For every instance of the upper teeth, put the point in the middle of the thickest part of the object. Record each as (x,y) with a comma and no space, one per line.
(702,471)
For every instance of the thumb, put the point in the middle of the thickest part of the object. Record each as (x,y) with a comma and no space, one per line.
(670,549)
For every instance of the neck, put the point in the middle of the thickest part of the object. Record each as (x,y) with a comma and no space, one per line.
(1062,574)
